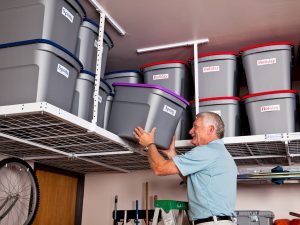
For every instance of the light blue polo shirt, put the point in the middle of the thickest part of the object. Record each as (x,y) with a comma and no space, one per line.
(211,180)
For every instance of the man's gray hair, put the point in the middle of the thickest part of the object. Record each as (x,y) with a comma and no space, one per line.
(211,118)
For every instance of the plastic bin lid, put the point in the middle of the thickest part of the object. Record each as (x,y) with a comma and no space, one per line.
(152,86)
(265,44)
(88,73)
(269,93)
(107,85)
(164,62)
(217,98)
(43,41)
(212,54)
(122,71)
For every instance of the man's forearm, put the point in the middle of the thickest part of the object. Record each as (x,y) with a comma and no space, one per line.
(154,157)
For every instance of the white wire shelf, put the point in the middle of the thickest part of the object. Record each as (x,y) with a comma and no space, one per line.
(49,135)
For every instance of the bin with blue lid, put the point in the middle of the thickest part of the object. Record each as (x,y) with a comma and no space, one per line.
(82,105)
(55,20)
(87,46)
(227,107)
(147,106)
(104,91)
(217,74)
(36,71)
(125,76)
(268,66)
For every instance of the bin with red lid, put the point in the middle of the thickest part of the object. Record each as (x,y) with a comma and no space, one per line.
(217,74)
(227,107)
(271,112)
(173,75)
(268,66)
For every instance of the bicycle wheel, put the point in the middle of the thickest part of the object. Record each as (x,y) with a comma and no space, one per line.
(19,192)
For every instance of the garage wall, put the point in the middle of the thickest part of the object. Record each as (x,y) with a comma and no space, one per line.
(100,190)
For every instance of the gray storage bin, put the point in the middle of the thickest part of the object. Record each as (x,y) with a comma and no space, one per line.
(271,112)
(185,124)
(268,66)
(146,106)
(82,105)
(217,74)
(104,91)
(55,20)
(172,75)
(109,101)
(36,71)
(87,46)
(253,217)
(123,76)
(227,107)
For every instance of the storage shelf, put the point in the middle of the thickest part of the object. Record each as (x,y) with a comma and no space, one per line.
(49,135)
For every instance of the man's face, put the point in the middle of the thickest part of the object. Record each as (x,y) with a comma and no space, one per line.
(199,132)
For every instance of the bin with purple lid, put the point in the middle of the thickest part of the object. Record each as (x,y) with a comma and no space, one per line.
(147,106)
(268,66)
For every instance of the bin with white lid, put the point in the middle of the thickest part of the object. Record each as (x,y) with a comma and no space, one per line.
(227,107)
(271,112)
(147,106)
(217,74)
(87,46)
(82,105)
(173,75)
(104,91)
(123,76)
(55,20)
(268,66)
(36,71)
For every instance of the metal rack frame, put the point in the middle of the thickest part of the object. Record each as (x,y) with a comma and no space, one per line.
(49,135)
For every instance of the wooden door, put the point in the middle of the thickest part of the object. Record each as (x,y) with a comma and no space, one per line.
(58,198)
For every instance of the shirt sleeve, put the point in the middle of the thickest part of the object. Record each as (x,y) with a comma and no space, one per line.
(195,160)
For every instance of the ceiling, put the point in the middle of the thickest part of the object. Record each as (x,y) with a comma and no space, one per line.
(229,24)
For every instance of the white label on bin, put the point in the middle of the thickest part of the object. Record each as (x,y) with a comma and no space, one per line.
(169,110)
(99,98)
(270,108)
(63,70)
(96,43)
(217,112)
(262,62)
(161,76)
(208,69)
(67,14)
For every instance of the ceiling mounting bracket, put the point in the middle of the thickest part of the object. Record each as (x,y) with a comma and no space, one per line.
(193,43)
(108,17)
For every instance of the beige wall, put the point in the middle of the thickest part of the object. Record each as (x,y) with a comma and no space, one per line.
(100,190)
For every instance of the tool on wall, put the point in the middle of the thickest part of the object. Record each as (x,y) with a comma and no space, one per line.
(115,211)
(147,210)
(137,212)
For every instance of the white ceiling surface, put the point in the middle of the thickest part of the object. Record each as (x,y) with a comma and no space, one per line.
(229,24)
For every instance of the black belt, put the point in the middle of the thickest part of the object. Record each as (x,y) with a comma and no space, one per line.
(210,219)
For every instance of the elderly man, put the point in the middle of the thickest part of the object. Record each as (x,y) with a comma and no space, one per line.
(208,169)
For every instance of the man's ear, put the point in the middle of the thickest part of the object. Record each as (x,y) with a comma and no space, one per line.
(211,130)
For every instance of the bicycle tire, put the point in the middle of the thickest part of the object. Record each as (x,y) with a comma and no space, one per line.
(19,192)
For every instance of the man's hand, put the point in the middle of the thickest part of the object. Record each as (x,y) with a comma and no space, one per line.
(144,138)
(171,152)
